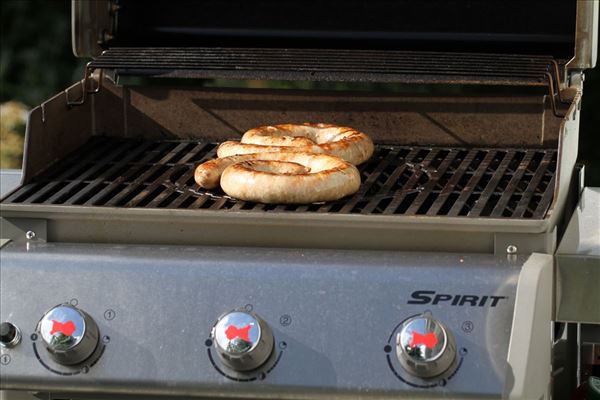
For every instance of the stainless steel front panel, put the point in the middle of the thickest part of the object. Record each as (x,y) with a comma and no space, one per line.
(333,315)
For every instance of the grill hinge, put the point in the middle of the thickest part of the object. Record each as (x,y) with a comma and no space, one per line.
(88,79)
(555,88)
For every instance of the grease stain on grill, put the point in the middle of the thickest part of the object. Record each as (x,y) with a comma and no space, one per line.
(397,180)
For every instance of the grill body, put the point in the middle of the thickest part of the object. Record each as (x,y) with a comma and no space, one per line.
(468,192)
(107,189)
(440,204)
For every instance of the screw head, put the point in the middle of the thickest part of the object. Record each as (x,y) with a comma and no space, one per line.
(30,235)
(511,249)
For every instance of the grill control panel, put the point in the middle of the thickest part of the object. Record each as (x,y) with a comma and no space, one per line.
(258,322)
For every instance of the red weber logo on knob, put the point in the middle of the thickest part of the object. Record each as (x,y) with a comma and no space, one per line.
(428,339)
(233,331)
(66,328)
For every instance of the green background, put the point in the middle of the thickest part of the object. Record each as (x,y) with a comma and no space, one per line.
(36,62)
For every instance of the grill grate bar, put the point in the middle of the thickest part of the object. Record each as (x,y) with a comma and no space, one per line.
(182,181)
(430,186)
(138,185)
(79,167)
(392,154)
(75,185)
(92,188)
(461,207)
(208,151)
(368,65)
(527,70)
(200,201)
(412,185)
(157,188)
(233,53)
(540,171)
(492,185)
(501,209)
(451,184)
(541,210)
(398,180)
(370,180)
(105,194)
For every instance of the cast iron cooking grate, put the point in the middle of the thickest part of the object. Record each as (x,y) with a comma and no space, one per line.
(397,180)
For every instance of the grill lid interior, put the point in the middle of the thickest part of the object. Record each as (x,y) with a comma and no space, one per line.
(492,26)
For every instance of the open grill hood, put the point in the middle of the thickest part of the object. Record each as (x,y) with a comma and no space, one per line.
(473,26)
(562,30)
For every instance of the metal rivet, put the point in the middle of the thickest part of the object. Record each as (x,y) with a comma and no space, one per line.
(511,249)
(30,235)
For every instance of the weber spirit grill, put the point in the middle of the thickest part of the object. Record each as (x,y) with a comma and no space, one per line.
(122,278)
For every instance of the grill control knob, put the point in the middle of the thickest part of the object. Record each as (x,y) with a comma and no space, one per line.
(425,347)
(243,340)
(69,334)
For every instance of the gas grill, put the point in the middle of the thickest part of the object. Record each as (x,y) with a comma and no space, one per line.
(437,279)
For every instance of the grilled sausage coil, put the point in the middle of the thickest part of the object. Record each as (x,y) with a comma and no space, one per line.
(289,164)
(343,142)
(284,177)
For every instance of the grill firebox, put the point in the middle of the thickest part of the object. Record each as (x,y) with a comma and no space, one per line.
(397,180)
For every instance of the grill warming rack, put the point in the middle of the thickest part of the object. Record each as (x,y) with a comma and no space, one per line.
(397,180)
(328,65)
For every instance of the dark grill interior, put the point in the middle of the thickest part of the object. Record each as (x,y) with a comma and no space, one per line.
(397,180)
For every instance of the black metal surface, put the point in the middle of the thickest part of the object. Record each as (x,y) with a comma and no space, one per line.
(397,180)
(328,65)
(475,26)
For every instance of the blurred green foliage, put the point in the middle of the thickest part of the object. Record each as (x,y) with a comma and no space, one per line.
(13,115)
(35,58)
(36,62)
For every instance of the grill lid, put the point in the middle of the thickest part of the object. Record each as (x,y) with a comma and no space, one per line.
(493,26)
